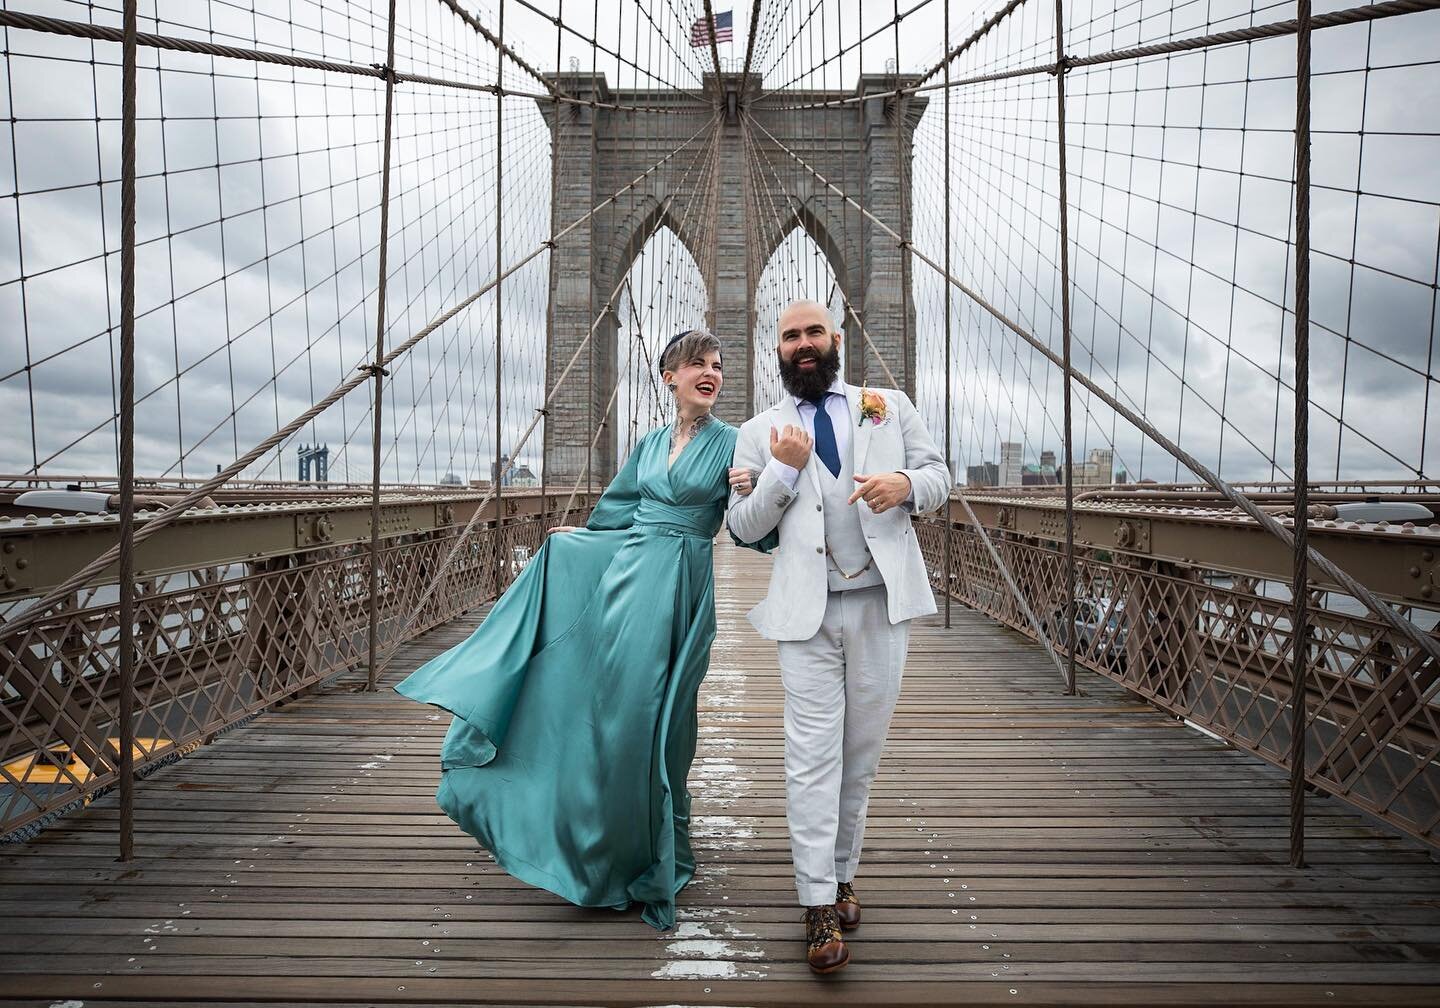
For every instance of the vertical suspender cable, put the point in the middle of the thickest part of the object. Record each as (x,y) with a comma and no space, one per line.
(1070,579)
(499,290)
(863,145)
(549,300)
(1299,649)
(949,450)
(378,372)
(615,429)
(593,157)
(127,436)
(902,194)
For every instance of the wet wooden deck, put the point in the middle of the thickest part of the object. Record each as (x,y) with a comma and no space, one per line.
(1023,848)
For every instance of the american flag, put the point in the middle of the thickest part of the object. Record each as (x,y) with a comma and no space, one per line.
(724,29)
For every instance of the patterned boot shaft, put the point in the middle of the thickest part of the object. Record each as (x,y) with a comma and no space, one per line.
(847,907)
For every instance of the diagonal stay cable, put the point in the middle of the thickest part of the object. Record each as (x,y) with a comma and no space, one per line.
(990,24)
(1364,595)
(639,337)
(1189,385)
(714,49)
(470,19)
(750,43)
(361,374)
(590,455)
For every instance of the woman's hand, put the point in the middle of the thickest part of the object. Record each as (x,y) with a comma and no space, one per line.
(564,528)
(742,481)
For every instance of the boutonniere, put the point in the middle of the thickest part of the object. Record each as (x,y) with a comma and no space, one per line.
(873,408)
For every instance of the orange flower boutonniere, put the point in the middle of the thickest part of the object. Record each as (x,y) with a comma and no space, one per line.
(873,407)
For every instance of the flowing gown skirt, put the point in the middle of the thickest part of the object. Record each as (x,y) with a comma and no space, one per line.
(575,716)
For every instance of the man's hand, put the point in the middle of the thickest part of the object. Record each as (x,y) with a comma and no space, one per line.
(792,446)
(882,492)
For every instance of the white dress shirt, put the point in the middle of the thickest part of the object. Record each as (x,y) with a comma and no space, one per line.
(837,407)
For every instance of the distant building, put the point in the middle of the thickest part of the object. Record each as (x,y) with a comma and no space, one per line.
(986,474)
(1098,469)
(517,475)
(522,476)
(1038,475)
(1012,461)
(450,479)
(1047,460)
(1103,462)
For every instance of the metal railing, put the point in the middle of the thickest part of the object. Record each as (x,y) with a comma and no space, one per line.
(1178,606)
(219,642)
(1204,639)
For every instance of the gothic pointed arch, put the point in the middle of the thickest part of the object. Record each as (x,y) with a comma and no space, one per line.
(633,230)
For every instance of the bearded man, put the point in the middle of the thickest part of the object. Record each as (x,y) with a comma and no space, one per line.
(842,470)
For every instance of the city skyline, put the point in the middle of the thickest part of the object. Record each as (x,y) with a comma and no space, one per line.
(1097,469)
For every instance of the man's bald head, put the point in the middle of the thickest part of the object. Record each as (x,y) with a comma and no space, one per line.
(804,313)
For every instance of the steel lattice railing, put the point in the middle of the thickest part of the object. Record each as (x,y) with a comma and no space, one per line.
(216,645)
(1214,649)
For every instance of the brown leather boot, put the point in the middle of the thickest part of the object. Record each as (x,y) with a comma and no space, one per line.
(826,950)
(847,907)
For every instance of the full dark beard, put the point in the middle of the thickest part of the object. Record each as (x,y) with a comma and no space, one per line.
(810,384)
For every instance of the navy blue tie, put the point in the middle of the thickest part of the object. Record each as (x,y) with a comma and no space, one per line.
(825,436)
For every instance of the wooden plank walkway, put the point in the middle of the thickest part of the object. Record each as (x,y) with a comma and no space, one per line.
(1023,848)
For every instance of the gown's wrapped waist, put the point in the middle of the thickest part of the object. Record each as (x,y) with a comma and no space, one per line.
(655,517)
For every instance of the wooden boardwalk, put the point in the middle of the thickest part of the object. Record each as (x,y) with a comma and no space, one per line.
(1023,848)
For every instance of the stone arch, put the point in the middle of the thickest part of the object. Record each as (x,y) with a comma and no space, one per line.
(815,222)
(629,235)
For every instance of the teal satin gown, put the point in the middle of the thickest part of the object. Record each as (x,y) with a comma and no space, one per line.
(575,700)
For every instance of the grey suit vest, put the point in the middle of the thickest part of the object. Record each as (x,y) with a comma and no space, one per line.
(844,538)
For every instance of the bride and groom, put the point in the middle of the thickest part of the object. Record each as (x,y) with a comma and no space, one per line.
(575,701)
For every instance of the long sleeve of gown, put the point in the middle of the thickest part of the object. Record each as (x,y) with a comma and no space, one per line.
(616,507)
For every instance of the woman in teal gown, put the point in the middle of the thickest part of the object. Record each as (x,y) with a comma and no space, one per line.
(575,700)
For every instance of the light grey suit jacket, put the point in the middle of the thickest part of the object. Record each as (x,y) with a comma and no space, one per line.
(795,604)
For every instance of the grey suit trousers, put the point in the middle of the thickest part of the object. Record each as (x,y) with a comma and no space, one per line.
(840,690)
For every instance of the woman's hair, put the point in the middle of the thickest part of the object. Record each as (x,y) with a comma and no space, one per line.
(686,347)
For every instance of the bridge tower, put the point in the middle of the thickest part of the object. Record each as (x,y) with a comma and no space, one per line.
(860,143)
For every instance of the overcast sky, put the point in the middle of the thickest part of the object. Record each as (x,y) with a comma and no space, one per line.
(259,232)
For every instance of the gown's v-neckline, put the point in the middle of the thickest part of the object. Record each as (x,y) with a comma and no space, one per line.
(670,465)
